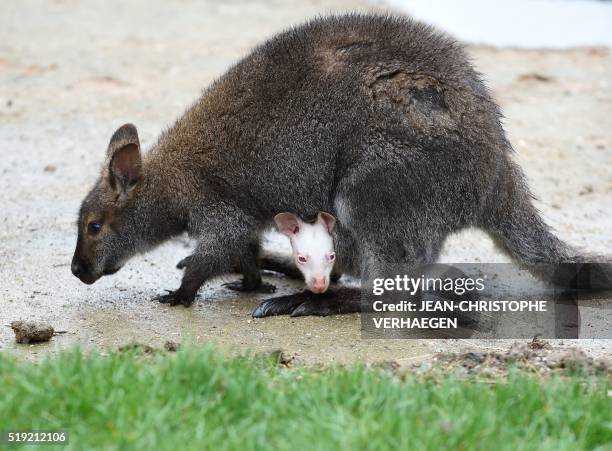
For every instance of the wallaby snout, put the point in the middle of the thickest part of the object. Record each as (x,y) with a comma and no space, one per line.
(82,270)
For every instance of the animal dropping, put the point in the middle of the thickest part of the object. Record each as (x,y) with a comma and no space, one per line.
(31,331)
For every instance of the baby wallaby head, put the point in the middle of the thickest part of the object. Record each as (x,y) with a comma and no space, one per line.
(312,245)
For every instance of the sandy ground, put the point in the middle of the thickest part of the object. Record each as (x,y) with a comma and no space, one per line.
(71,72)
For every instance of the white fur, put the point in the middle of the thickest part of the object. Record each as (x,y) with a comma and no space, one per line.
(313,251)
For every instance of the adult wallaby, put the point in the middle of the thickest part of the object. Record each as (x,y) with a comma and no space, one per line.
(380,120)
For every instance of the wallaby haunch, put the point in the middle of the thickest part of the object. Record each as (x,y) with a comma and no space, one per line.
(381,120)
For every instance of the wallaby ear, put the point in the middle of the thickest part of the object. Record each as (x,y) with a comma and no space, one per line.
(124,160)
(327,219)
(288,224)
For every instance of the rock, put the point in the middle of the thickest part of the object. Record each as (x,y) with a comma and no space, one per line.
(31,331)
(538,343)
(280,357)
(171,346)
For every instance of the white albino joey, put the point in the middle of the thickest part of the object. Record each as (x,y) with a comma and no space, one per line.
(312,245)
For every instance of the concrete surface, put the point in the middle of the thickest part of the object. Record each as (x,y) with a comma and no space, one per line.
(71,72)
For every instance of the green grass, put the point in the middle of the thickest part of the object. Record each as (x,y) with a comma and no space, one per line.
(200,399)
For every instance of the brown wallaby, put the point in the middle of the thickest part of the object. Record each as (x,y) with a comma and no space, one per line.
(380,120)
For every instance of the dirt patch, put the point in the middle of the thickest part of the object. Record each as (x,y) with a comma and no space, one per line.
(538,357)
(102,83)
(535,77)
(24,69)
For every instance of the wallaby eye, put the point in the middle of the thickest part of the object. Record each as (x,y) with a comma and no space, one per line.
(94,228)
(332,256)
(302,259)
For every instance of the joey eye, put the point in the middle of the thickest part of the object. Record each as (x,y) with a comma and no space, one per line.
(331,257)
(94,228)
(302,259)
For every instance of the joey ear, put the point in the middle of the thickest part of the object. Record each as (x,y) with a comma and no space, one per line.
(124,160)
(327,219)
(288,223)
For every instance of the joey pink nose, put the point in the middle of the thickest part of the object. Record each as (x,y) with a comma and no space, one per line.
(318,285)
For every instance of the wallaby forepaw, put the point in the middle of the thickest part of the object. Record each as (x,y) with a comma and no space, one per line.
(175,298)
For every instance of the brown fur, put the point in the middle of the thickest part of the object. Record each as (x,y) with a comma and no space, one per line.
(380,120)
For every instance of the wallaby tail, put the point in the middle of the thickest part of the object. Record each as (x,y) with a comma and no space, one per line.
(516,225)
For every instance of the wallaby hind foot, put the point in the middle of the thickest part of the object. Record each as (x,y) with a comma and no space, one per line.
(332,302)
